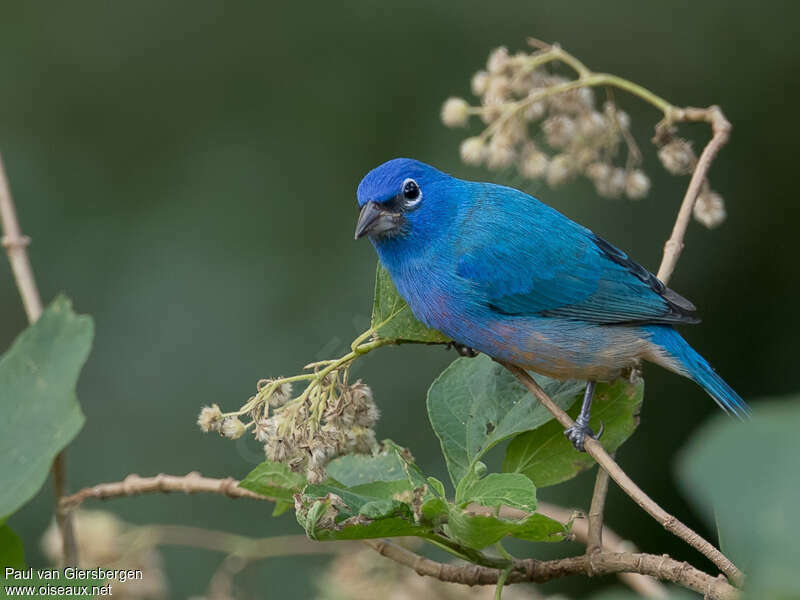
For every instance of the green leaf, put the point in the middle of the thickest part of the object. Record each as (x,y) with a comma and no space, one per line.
(434,510)
(437,487)
(746,475)
(356,469)
(500,489)
(41,414)
(281,506)
(547,457)
(11,551)
(392,318)
(476,403)
(274,480)
(479,531)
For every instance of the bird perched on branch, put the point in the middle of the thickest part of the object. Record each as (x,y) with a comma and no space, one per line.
(500,272)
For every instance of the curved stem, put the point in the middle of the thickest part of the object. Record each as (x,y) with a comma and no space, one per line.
(595,450)
(15,244)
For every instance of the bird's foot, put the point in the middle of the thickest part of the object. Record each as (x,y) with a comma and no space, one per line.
(578,433)
(463,350)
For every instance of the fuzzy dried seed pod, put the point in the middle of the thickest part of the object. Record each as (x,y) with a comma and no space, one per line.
(473,151)
(455,112)
(710,209)
(677,157)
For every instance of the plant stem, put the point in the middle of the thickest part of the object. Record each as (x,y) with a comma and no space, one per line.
(15,244)
(595,450)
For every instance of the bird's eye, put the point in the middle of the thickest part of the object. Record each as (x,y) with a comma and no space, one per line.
(411,193)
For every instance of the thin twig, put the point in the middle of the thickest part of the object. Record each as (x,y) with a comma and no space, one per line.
(596,451)
(15,244)
(594,541)
(721,129)
(532,570)
(133,485)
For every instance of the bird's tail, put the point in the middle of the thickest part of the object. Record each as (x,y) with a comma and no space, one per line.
(696,368)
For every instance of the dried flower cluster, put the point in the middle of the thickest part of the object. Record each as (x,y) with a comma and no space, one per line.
(520,101)
(550,127)
(328,419)
(678,157)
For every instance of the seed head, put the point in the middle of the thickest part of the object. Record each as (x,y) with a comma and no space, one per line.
(534,164)
(559,130)
(210,418)
(500,154)
(232,428)
(677,157)
(455,112)
(480,83)
(498,60)
(598,171)
(637,184)
(710,209)
(473,151)
(558,171)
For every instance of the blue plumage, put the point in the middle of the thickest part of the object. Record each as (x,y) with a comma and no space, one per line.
(499,271)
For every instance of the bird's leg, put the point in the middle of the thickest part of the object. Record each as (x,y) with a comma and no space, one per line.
(578,432)
(463,350)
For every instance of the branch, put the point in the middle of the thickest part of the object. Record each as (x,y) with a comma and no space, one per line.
(133,485)
(532,570)
(721,130)
(595,450)
(594,536)
(15,243)
(644,585)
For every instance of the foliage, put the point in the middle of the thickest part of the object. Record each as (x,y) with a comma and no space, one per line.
(546,456)
(392,317)
(744,476)
(37,399)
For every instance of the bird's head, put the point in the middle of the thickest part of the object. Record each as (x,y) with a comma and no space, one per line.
(403,199)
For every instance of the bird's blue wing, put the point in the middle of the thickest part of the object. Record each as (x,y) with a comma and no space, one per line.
(521,257)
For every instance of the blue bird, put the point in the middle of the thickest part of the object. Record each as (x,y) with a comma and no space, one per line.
(498,271)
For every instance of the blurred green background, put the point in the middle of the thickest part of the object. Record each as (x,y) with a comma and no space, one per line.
(187,172)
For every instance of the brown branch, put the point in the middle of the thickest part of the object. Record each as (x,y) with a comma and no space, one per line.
(15,244)
(532,570)
(133,485)
(594,537)
(721,130)
(596,451)
(644,585)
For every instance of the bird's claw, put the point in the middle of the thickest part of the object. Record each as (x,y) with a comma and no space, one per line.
(578,433)
(463,350)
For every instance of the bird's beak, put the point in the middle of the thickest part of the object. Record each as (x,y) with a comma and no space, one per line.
(374,219)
